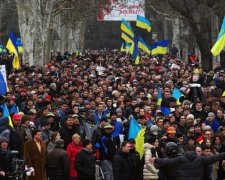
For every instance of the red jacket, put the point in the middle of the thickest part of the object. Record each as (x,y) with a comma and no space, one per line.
(72,151)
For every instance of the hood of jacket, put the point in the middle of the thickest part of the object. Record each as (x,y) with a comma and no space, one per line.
(190,155)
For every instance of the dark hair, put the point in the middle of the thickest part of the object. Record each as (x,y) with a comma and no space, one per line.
(204,147)
(190,147)
(151,139)
(131,140)
(124,143)
(53,136)
(35,132)
(214,138)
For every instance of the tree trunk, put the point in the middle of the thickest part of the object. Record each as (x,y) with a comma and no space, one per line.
(206,56)
(176,32)
(78,36)
(72,38)
(202,32)
(35,25)
(26,25)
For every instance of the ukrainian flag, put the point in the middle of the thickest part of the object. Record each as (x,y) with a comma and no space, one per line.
(177,94)
(125,27)
(126,38)
(125,47)
(142,45)
(5,113)
(137,133)
(143,23)
(154,49)
(11,46)
(137,60)
(134,48)
(220,42)
(159,97)
(162,46)
(19,45)
(1,48)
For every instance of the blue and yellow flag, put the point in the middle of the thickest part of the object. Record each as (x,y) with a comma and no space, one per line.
(140,142)
(159,96)
(154,50)
(1,48)
(142,45)
(19,45)
(162,46)
(125,47)
(126,38)
(134,128)
(177,94)
(5,113)
(137,60)
(11,46)
(137,133)
(220,42)
(143,23)
(125,27)
(134,47)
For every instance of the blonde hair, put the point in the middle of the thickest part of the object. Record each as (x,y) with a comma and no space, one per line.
(75,136)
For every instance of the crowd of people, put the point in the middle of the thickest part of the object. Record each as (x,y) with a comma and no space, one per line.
(70,118)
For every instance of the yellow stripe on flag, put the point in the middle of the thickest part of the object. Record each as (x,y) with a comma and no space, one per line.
(140,142)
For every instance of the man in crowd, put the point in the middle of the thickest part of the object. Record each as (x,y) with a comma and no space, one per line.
(57,162)
(35,156)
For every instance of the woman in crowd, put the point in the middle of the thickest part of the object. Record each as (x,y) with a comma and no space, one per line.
(150,150)
(51,145)
(72,150)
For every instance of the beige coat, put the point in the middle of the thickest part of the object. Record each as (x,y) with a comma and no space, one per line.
(36,159)
(149,171)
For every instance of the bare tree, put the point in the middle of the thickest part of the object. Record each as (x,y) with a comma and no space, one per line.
(198,13)
(36,22)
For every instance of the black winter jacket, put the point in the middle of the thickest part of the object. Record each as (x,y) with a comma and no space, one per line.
(136,165)
(57,164)
(121,166)
(85,165)
(190,166)
(66,134)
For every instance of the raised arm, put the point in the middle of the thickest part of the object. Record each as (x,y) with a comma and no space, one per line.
(213,159)
(168,162)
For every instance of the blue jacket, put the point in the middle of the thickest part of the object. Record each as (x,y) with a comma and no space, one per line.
(97,117)
(214,124)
